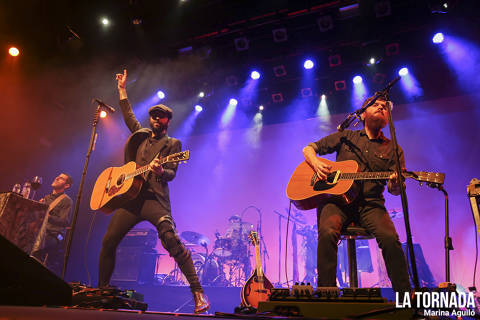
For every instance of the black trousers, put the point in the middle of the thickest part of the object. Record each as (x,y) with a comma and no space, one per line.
(372,216)
(52,253)
(145,207)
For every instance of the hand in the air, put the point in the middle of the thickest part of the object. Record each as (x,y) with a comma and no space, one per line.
(156,166)
(121,79)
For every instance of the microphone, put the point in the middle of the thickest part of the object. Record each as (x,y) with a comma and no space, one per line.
(104,105)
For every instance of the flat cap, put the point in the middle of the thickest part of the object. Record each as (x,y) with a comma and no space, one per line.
(161,108)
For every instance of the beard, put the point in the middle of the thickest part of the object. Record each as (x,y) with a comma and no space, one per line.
(159,129)
(376,122)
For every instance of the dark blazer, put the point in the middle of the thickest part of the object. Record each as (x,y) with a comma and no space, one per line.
(157,183)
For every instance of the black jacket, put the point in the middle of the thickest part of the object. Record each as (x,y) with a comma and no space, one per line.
(158,184)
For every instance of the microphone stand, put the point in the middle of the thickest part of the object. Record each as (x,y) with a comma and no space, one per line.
(403,193)
(91,147)
(346,123)
(356,114)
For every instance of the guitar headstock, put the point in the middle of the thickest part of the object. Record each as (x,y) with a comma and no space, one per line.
(253,236)
(177,157)
(430,178)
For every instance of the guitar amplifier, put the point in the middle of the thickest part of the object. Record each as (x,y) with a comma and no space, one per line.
(140,238)
(135,264)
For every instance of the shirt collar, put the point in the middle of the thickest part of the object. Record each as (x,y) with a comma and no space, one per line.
(381,138)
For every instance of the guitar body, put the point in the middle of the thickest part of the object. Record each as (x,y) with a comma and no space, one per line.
(256,289)
(111,190)
(307,192)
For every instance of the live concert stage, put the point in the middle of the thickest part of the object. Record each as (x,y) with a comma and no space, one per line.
(237,159)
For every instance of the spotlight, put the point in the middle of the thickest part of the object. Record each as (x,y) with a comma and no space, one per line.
(325,23)
(340,85)
(260,108)
(438,38)
(277,97)
(105,21)
(160,94)
(334,60)
(372,61)
(403,72)
(13,51)
(306,92)
(201,94)
(241,44)
(279,71)
(198,108)
(357,79)
(233,102)
(103,114)
(280,35)
(255,75)
(324,97)
(308,64)
(392,49)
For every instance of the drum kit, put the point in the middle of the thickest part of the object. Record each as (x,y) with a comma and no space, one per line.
(228,264)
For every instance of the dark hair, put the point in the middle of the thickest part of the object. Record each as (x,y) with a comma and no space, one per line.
(69,179)
(381,98)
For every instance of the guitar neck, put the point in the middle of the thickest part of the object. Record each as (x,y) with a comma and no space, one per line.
(143,169)
(258,263)
(366,175)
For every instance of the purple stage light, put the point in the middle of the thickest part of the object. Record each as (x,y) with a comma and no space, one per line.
(357,79)
(438,38)
(403,72)
(233,102)
(308,64)
(160,94)
(255,75)
(198,108)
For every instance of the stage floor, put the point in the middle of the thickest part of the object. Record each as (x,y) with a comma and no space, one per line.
(45,313)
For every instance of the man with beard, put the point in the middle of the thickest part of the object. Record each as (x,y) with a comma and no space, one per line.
(153,202)
(373,152)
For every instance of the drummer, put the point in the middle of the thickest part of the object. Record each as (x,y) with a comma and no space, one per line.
(238,232)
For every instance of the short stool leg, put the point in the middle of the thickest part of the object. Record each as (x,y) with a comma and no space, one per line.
(352,263)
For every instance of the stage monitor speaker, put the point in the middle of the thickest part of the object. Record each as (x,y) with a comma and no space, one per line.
(25,281)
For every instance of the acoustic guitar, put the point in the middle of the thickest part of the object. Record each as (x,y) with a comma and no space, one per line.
(258,287)
(307,191)
(117,185)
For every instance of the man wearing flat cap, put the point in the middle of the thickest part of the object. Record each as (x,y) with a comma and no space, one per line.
(153,202)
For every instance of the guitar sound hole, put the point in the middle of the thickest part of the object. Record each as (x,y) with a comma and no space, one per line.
(321,185)
(120,179)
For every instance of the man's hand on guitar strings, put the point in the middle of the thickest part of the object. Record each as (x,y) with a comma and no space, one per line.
(156,166)
(394,184)
(322,169)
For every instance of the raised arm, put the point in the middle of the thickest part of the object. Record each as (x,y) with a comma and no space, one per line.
(128,115)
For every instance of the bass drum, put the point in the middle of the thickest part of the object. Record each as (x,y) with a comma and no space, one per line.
(208,270)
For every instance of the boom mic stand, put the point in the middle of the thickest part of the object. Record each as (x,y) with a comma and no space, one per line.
(91,147)
(346,123)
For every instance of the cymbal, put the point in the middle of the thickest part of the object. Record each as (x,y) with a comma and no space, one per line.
(195,238)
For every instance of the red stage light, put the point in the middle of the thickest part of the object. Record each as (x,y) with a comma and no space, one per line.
(13,51)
